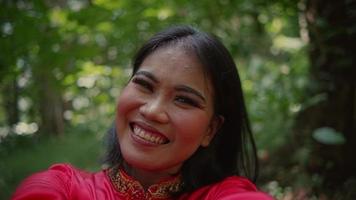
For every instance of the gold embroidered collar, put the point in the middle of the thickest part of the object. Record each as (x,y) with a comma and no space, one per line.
(132,189)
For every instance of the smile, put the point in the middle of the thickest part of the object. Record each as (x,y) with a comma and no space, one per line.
(148,136)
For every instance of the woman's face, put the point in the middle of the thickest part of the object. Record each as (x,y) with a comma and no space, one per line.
(165,112)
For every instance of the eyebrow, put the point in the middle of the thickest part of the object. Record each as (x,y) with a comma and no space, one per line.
(182,88)
(148,75)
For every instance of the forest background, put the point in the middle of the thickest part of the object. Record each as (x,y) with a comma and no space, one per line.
(63,64)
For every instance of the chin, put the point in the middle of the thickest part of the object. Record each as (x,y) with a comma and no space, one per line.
(140,163)
(150,165)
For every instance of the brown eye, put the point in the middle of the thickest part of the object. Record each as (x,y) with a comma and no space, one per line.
(143,83)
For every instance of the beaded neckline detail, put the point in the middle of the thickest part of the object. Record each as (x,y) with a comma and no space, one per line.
(132,189)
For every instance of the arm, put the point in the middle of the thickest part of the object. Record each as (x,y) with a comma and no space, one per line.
(232,188)
(239,189)
(52,184)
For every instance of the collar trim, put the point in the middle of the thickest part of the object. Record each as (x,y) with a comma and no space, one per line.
(130,187)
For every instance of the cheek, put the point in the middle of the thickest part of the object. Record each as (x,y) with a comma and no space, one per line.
(127,102)
(191,127)
(122,105)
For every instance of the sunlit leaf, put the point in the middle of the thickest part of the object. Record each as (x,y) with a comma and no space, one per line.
(329,136)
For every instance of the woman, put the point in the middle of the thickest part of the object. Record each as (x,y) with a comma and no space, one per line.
(181,130)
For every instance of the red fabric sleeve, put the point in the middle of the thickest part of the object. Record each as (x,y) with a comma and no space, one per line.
(62,182)
(53,184)
(232,188)
(247,196)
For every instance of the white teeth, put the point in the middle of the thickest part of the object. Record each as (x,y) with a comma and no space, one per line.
(147,136)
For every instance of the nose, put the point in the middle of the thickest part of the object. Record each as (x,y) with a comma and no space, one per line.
(154,110)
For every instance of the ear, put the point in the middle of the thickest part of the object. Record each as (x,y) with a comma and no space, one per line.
(214,126)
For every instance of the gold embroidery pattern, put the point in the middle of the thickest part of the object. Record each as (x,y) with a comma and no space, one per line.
(132,189)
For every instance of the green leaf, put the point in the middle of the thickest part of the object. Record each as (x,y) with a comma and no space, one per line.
(328,136)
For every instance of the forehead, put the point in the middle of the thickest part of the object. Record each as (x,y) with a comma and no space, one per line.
(174,60)
(177,64)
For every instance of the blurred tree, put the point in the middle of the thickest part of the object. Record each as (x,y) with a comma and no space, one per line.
(331,95)
(47,42)
(10,101)
(8,55)
(27,39)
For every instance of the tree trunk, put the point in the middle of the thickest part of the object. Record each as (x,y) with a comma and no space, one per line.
(10,96)
(50,102)
(332,32)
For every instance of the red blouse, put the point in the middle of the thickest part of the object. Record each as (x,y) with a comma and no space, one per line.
(62,182)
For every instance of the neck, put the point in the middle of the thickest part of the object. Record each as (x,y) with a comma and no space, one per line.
(148,177)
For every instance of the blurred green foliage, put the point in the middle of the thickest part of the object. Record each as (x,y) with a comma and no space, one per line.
(85,48)
(22,156)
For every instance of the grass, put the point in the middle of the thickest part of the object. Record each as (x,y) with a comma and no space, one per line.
(24,155)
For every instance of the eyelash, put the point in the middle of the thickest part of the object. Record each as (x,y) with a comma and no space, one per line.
(187,100)
(181,99)
(145,84)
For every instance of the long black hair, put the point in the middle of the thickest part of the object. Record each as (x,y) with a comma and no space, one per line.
(232,150)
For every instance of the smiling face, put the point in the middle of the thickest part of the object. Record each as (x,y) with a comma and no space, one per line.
(165,112)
